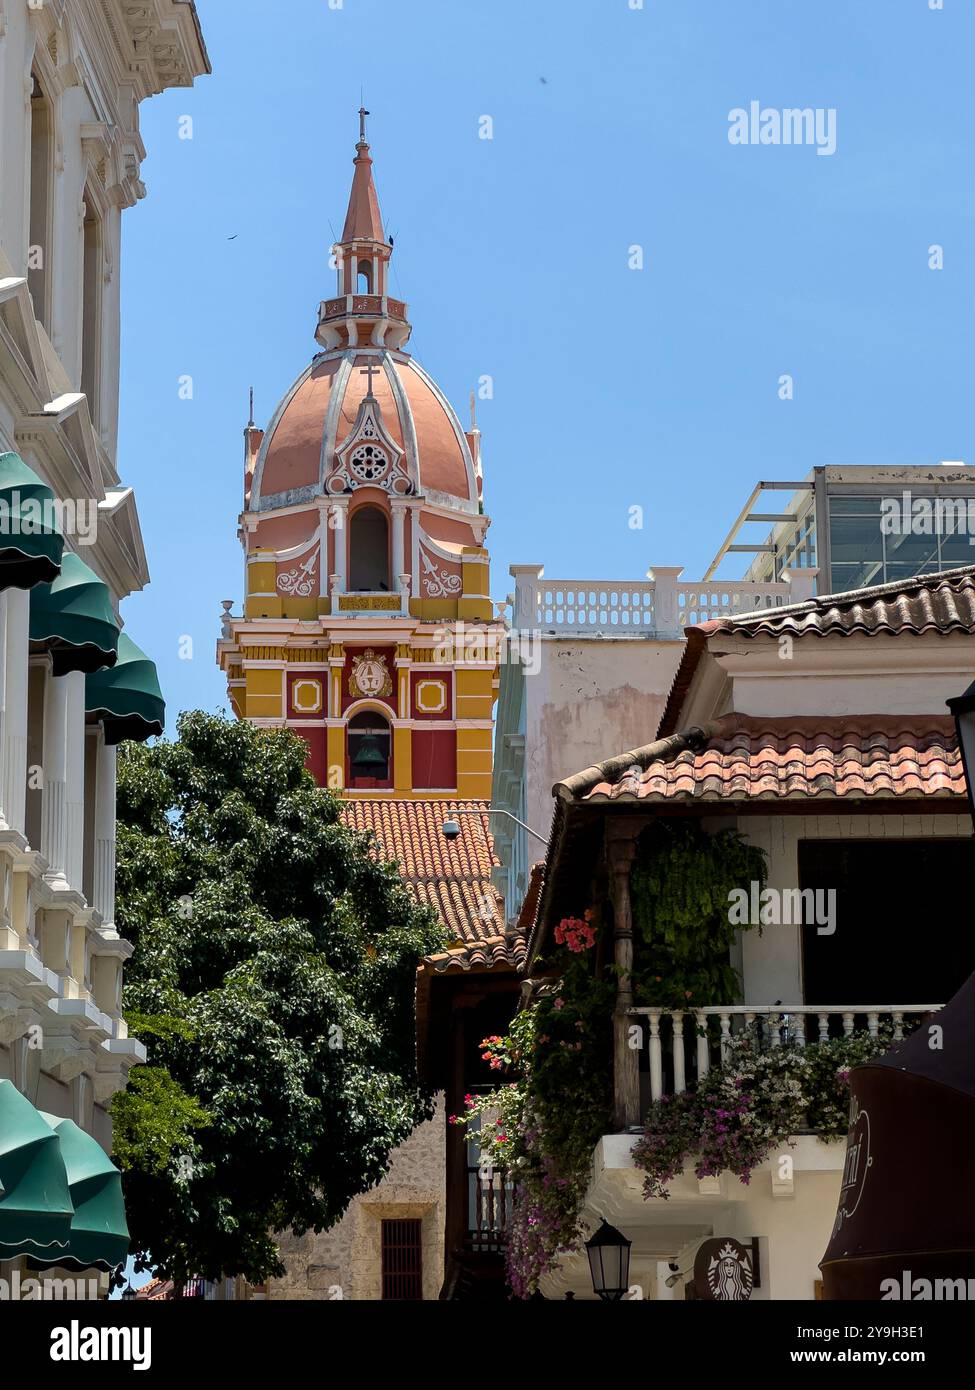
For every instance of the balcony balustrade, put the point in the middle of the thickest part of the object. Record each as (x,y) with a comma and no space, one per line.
(683,1044)
(661,605)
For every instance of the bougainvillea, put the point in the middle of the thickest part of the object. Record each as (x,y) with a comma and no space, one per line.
(743,1111)
(540,1129)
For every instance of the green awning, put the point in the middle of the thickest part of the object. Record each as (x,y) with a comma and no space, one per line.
(74,618)
(35,1202)
(127,697)
(31,543)
(99,1232)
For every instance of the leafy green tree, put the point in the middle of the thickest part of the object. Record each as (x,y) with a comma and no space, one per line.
(273,982)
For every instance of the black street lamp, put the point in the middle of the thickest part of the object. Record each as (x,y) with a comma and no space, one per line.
(609,1262)
(963,708)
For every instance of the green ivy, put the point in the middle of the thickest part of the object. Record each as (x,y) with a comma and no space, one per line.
(680,887)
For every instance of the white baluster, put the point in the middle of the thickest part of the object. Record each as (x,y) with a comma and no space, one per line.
(678,1021)
(725,1037)
(775,1030)
(823,1026)
(800,1029)
(656,1059)
(847,1024)
(873,1023)
(898,1025)
(703,1051)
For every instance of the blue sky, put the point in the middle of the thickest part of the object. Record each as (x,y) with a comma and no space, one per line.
(613,387)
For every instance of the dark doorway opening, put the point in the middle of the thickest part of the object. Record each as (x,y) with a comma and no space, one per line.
(901,933)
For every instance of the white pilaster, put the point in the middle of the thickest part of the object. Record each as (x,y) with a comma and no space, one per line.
(74,780)
(341,567)
(54,770)
(3,705)
(103,877)
(399,537)
(15,661)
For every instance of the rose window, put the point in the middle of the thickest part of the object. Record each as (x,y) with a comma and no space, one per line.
(369,463)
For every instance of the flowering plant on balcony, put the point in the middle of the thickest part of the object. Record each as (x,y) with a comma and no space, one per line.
(541,1127)
(743,1111)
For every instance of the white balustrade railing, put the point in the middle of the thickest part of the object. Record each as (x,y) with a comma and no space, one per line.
(663,604)
(713,1028)
(702,603)
(584,605)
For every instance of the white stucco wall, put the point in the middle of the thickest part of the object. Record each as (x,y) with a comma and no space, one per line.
(590,700)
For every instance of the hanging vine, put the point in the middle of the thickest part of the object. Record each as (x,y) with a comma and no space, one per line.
(680,887)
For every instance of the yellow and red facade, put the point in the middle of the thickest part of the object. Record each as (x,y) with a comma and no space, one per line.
(367,624)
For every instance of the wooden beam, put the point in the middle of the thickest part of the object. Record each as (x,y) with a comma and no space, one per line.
(620,853)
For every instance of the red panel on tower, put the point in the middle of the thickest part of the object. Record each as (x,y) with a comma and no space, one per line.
(434,759)
(307,694)
(432,695)
(315,761)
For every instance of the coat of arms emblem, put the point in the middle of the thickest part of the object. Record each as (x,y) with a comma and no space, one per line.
(369,675)
(723,1271)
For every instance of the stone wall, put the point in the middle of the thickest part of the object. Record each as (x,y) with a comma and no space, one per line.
(346,1261)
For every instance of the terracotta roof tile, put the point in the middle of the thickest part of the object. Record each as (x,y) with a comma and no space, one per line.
(451,876)
(943,603)
(745,758)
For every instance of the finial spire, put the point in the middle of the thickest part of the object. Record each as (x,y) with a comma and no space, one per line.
(363,220)
(250,418)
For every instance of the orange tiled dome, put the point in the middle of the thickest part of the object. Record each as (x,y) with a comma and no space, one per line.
(319,412)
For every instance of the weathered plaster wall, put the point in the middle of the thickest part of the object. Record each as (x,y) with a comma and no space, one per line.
(345,1262)
(590,700)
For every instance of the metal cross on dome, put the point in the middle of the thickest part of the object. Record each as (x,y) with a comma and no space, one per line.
(368,371)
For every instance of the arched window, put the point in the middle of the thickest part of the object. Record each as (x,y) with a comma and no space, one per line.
(370,745)
(368,551)
(364,277)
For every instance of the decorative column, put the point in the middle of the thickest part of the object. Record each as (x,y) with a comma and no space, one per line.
(54,770)
(398,512)
(103,875)
(74,780)
(3,705)
(15,654)
(339,579)
(626,1059)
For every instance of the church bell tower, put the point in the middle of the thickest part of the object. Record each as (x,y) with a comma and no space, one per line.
(367,624)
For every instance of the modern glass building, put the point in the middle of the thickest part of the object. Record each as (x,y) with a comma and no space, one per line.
(859,525)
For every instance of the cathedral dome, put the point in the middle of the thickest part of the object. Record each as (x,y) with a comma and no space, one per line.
(300,455)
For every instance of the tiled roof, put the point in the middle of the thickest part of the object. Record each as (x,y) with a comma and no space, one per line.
(740,758)
(157,1290)
(943,603)
(451,876)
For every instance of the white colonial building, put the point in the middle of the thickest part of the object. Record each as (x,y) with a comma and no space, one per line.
(819,731)
(72,685)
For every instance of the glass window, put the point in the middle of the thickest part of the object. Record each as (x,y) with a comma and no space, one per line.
(853,505)
(855,540)
(843,577)
(911,550)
